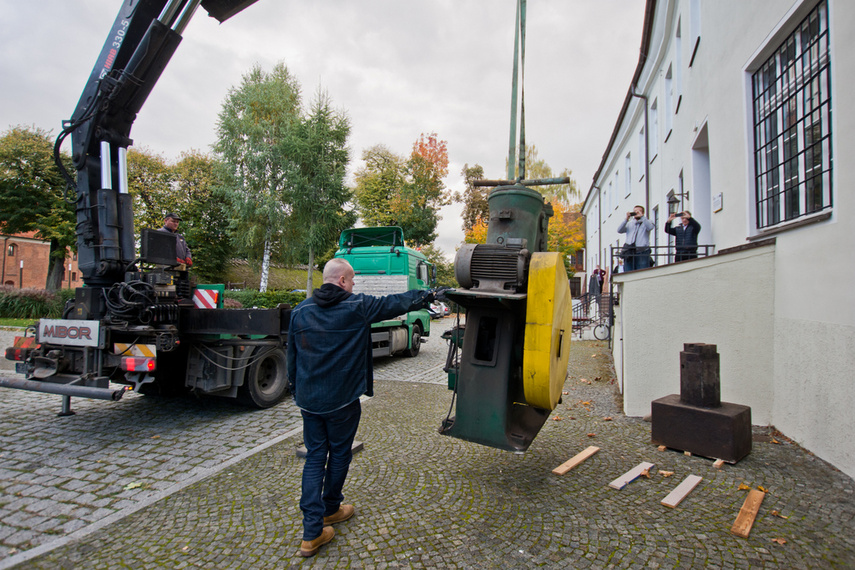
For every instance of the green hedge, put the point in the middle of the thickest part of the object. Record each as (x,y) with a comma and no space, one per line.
(267,300)
(39,303)
(32,303)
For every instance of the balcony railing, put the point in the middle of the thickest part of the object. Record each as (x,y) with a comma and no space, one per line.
(655,256)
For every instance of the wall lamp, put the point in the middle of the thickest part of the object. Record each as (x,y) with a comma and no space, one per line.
(673,201)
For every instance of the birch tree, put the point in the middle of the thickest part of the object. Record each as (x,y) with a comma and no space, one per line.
(257,141)
(320,194)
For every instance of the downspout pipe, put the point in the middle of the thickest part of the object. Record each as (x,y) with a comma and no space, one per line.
(600,225)
(5,242)
(646,150)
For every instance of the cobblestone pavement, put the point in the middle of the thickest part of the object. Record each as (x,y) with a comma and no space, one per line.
(423,500)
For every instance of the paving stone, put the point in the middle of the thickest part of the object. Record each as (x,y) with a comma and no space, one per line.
(427,501)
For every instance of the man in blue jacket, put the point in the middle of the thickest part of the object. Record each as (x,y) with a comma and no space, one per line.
(329,368)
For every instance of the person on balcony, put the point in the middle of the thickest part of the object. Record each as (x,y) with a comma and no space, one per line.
(636,250)
(685,235)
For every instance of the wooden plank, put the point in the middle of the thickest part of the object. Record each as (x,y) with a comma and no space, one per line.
(718,463)
(680,491)
(747,514)
(630,475)
(576,460)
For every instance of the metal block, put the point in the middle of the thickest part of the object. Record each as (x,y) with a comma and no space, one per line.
(700,384)
(720,433)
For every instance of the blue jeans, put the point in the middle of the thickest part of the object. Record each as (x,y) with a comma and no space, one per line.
(640,259)
(328,439)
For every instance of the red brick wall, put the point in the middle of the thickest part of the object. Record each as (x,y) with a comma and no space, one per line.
(35,255)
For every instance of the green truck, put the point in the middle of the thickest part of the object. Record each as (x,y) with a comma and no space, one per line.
(384,265)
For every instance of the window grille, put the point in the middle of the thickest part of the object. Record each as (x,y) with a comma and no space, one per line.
(792,125)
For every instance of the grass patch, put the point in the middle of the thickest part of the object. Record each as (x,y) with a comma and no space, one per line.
(280,278)
(15,322)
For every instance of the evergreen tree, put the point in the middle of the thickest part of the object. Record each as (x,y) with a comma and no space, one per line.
(319,196)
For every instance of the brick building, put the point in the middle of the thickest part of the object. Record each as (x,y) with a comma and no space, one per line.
(25,260)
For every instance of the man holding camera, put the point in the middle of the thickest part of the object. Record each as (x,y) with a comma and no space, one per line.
(685,235)
(636,248)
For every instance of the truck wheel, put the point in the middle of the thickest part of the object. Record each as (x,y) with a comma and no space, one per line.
(415,341)
(266,381)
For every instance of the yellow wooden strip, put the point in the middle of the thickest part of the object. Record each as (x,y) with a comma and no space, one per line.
(577,459)
(680,491)
(747,514)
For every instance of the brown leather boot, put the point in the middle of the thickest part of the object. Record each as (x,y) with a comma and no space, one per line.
(343,513)
(311,547)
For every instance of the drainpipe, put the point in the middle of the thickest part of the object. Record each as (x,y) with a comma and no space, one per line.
(646,152)
(5,246)
(599,224)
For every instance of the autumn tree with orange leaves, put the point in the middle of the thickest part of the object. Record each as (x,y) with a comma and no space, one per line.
(393,191)
(566,233)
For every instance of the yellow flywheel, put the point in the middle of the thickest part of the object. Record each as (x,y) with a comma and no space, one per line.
(548,328)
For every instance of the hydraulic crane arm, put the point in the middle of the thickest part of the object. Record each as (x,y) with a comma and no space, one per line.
(143,39)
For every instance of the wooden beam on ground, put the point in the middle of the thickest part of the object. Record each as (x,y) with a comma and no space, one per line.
(630,475)
(576,460)
(747,514)
(680,491)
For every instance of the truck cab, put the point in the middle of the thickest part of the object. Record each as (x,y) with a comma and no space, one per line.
(384,265)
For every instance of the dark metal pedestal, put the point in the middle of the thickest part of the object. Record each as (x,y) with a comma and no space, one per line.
(697,420)
(720,433)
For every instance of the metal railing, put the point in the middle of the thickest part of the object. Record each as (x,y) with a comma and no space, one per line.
(593,310)
(655,256)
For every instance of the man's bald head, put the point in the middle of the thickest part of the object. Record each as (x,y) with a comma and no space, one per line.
(339,272)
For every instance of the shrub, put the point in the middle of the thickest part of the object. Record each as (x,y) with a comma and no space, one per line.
(266,300)
(40,303)
(32,303)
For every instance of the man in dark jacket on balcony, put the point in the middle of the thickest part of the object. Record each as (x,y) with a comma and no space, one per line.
(685,235)
(329,368)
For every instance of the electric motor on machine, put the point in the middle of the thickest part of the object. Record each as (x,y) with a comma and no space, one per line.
(499,268)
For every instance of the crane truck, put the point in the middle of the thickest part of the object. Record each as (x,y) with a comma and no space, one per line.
(138,323)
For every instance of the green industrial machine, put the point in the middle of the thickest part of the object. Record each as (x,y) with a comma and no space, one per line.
(508,363)
(509,366)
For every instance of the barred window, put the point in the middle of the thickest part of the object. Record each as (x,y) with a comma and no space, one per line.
(792,125)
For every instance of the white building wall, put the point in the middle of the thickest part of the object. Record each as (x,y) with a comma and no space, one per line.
(655,320)
(782,315)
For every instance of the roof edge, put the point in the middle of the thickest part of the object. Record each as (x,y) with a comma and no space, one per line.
(646,34)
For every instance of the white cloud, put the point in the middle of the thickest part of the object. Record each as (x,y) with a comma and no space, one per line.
(399,68)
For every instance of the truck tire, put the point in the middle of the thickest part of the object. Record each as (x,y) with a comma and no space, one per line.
(266,380)
(415,341)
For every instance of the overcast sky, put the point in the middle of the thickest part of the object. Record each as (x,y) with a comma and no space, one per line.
(398,68)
